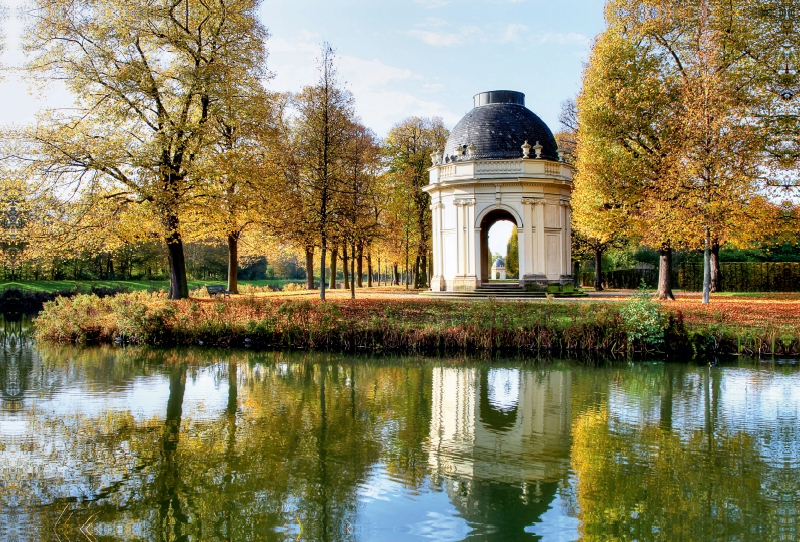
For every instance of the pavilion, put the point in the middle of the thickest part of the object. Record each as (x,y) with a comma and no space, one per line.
(501,162)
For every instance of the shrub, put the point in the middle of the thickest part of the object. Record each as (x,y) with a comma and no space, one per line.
(642,319)
(292,287)
(255,289)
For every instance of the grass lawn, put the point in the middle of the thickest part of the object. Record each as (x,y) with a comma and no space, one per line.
(132,285)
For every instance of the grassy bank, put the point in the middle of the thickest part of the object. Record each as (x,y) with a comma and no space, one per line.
(407,326)
(85,286)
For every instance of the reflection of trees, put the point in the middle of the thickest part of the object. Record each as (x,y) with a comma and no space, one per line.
(17,361)
(649,483)
(295,436)
(294,441)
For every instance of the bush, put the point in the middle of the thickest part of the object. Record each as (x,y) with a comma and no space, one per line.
(292,287)
(642,319)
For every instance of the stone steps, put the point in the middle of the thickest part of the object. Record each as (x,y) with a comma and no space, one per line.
(508,290)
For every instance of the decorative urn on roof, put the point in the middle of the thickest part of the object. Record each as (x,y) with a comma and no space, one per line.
(500,179)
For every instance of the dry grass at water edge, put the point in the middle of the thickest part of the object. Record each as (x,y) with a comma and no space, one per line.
(390,322)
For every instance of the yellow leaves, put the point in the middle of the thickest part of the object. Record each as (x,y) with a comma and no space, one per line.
(667,140)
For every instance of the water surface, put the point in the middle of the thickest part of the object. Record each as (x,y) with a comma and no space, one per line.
(185,444)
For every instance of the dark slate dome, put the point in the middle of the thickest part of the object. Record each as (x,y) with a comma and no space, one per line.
(498,126)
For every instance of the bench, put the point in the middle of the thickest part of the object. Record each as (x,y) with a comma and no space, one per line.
(217,290)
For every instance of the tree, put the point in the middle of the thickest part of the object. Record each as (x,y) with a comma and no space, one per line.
(325,112)
(628,115)
(360,211)
(145,76)
(512,254)
(243,167)
(673,93)
(408,148)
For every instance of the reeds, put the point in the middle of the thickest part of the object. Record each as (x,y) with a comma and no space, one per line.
(399,326)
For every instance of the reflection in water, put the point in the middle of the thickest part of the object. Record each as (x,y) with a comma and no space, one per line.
(506,463)
(143,444)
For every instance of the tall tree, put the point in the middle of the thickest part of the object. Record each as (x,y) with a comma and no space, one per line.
(244,168)
(325,113)
(360,214)
(512,254)
(145,75)
(628,140)
(408,148)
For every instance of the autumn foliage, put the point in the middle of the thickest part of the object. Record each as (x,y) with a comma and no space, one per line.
(418,326)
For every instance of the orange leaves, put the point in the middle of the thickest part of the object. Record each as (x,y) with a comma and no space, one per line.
(775,310)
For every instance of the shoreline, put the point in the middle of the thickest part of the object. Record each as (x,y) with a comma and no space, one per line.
(410,326)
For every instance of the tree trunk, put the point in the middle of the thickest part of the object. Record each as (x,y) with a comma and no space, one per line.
(334,258)
(233,262)
(716,272)
(345,267)
(598,270)
(665,273)
(323,255)
(352,275)
(178,285)
(707,269)
(369,270)
(109,268)
(576,273)
(310,268)
(360,268)
(429,258)
(395,275)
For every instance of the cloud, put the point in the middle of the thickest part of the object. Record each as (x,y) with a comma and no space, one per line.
(380,90)
(305,41)
(515,32)
(433,87)
(439,33)
(383,108)
(371,73)
(436,39)
(433,4)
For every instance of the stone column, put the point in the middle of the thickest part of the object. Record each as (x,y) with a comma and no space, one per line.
(525,239)
(460,239)
(566,241)
(465,233)
(540,269)
(437,280)
(473,238)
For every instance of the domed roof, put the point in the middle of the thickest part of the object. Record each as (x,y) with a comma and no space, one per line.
(497,127)
(498,263)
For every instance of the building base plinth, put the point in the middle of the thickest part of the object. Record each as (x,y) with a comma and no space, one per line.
(438,284)
(465,283)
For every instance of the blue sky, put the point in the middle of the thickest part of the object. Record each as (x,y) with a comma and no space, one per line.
(429,57)
(401,58)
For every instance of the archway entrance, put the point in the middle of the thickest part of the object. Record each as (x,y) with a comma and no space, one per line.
(490,219)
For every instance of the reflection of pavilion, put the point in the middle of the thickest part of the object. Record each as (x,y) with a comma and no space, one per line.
(502,436)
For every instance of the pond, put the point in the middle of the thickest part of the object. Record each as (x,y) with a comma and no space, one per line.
(192,444)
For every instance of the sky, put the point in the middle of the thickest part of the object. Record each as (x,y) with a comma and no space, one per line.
(400,58)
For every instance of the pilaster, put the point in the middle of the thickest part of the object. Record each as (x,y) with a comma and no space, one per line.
(465,279)
(566,241)
(438,283)
(525,239)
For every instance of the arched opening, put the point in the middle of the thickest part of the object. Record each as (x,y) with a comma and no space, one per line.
(496,228)
(499,398)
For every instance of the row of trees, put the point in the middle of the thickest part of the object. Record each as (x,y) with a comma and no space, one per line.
(175,138)
(683,128)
